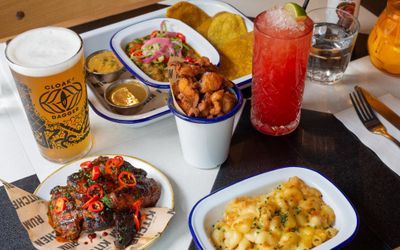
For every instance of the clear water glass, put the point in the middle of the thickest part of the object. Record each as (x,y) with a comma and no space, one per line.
(335,33)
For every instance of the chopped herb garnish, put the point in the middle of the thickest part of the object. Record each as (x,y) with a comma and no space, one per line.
(283,217)
(90,181)
(106,201)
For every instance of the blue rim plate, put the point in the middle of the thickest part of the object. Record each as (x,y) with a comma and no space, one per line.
(59,177)
(210,208)
(121,38)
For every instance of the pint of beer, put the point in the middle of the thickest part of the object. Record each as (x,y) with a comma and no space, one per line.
(48,68)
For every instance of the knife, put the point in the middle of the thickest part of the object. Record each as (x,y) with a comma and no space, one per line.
(380,107)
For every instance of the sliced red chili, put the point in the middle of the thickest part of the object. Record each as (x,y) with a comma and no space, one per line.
(137,53)
(108,163)
(127,179)
(137,204)
(113,164)
(137,221)
(90,201)
(166,59)
(189,59)
(110,169)
(117,161)
(95,190)
(96,206)
(136,207)
(181,37)
(86,164)
(95,173)
(135,47)
(60,205)
(154,34)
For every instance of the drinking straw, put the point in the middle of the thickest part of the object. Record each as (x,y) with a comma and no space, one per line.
(305,4)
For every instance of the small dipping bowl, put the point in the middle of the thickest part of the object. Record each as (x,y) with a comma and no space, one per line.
(108,68)
(120,96)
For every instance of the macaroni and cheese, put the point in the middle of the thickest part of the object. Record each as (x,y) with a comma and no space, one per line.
(293,216)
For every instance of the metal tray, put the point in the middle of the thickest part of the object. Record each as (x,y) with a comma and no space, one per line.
(156,109)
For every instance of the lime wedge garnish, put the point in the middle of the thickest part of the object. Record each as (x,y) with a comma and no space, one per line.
(296,11)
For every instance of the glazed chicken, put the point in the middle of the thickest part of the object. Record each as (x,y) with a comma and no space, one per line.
(199,90)
(106,192)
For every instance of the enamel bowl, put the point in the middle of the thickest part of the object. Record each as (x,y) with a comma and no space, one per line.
(210,209)
(121,38)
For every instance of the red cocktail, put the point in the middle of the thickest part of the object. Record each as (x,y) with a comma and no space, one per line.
(281,49)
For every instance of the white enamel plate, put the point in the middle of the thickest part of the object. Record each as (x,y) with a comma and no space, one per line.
(123,37)
(210,209)
(59,177)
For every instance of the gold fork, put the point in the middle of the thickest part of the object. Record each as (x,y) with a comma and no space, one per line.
(368,117)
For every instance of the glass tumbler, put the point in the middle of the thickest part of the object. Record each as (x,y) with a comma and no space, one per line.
(335,33)
(279,70)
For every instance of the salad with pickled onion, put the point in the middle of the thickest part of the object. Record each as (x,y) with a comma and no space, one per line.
(151,53)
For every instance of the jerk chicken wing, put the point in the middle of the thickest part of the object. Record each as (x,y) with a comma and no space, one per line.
(106,192)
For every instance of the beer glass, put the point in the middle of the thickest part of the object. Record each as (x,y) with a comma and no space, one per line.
(48,68)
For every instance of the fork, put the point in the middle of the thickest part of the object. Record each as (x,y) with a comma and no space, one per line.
(368,117)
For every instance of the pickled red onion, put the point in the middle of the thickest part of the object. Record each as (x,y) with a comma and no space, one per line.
(160,40)
(156,55)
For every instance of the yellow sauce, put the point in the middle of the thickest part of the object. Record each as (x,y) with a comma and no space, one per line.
(123,97)
(104,62)
(127,94)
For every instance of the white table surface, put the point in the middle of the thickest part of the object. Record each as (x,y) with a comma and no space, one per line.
(158,143)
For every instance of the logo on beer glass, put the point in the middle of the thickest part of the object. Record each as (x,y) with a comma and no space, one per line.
(61,99)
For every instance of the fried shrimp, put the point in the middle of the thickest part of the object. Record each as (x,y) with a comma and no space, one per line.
(210,81)
(199,90)
(188,95)
(216,100)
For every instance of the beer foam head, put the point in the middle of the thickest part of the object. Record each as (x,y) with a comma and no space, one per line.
(44,51)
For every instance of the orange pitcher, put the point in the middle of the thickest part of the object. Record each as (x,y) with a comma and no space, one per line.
(384,40)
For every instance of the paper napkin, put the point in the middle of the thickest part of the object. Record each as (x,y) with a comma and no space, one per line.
(32,212)
(386,150)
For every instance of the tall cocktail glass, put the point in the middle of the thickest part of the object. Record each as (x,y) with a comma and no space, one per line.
(281,50)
